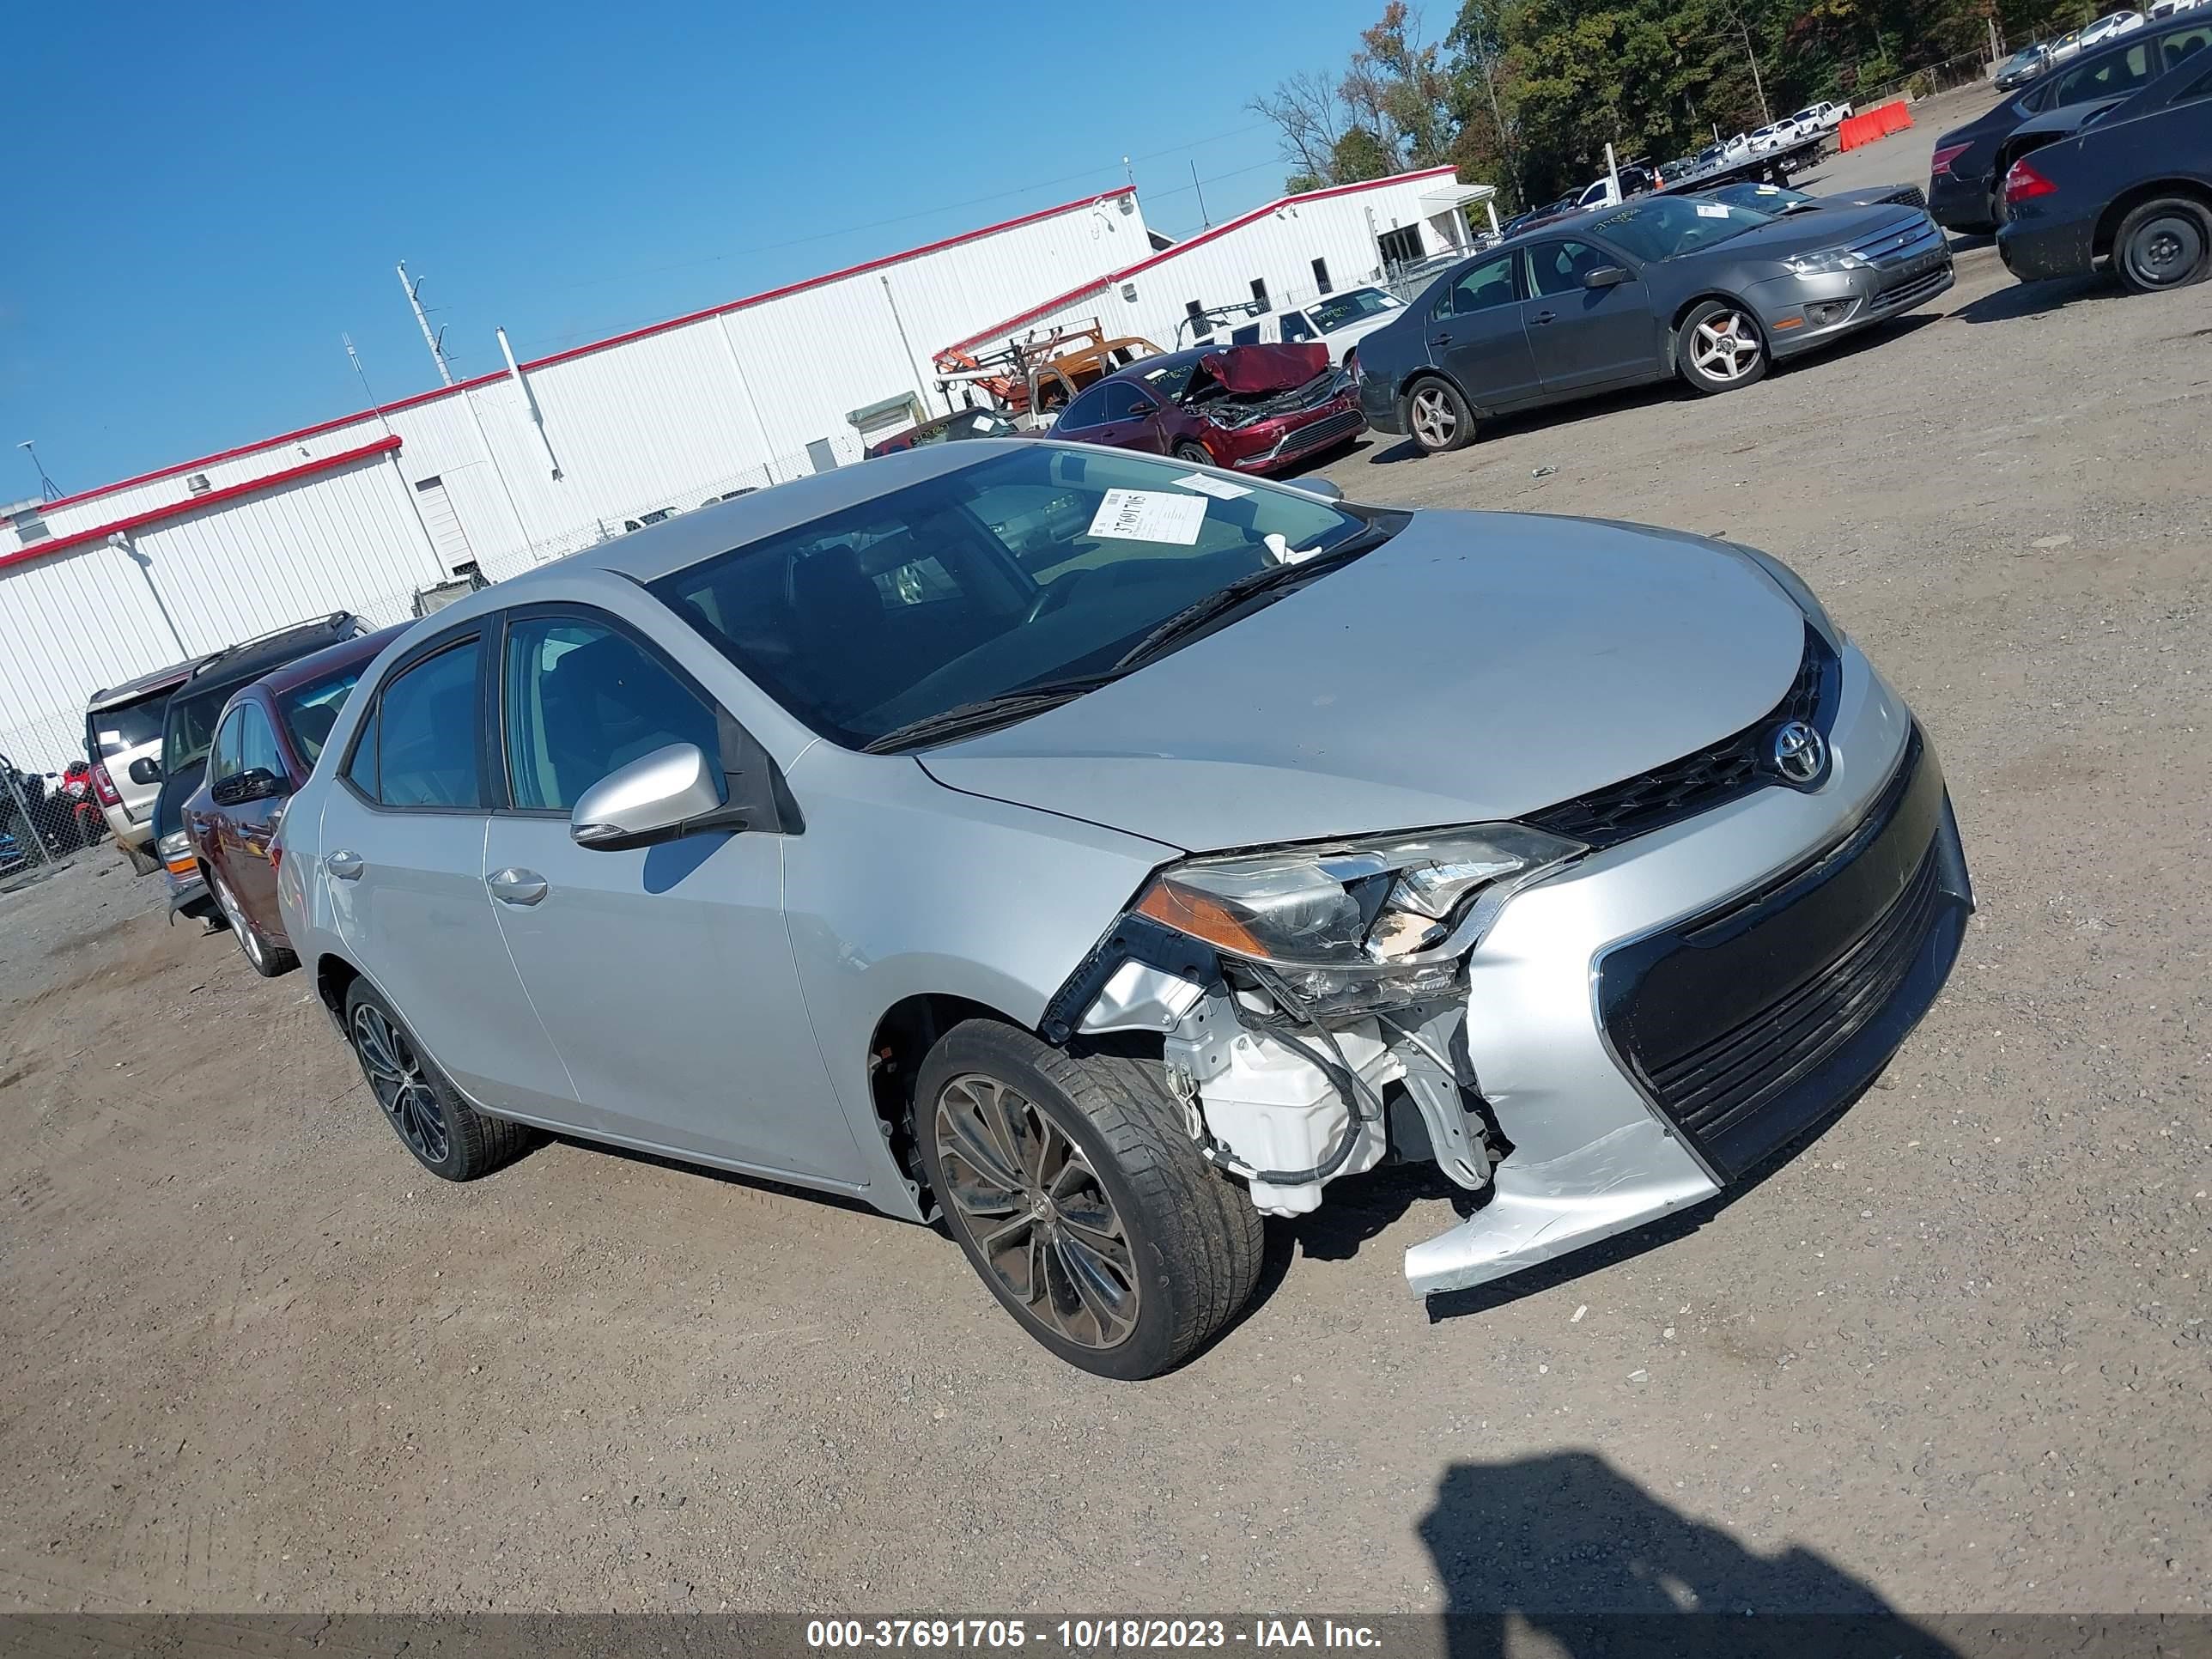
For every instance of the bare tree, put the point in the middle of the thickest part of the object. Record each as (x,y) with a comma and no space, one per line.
(1309,121)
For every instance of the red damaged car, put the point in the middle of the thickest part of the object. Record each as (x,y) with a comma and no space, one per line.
(1252,408)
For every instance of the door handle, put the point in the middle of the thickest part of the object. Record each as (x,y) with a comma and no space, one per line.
(1544,316)
(512,886)
(1440,339)
(345,865)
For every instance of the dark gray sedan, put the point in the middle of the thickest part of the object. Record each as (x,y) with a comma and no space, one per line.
(1660,285)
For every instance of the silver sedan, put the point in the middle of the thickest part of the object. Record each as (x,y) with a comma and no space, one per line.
(1101,855)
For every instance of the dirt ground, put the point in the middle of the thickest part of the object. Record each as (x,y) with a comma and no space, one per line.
(1952,1358)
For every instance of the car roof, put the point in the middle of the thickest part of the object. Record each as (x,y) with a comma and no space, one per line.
(161,679)
(363,649)
(249,660)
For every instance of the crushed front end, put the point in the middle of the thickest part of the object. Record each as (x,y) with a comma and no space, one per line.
(1604,1012)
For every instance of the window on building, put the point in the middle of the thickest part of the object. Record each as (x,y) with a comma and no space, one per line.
(1260,292)
(1402,246)
(1321,277)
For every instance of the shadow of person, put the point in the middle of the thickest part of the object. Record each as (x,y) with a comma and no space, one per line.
(1567,1546)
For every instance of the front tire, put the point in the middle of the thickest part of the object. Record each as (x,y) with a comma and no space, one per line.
(1074,1191)
(1190,450)
(448,1137)
(2166,243)
(1437,417)
(1719,348)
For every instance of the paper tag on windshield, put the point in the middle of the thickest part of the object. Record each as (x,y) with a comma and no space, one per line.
(1222,490)
(1711,210)
(1147,515)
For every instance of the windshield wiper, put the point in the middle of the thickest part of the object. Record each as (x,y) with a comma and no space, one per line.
(1196,615)
(1003,709)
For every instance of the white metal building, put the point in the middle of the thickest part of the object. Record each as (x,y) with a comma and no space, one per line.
(511,469)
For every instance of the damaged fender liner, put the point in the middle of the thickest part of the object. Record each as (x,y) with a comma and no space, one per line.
(1133,938)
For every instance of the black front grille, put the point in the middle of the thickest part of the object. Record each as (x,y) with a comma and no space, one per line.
(1751,1023)
(1735,1072)
(1914,291)
(1909,195)
(1711,777)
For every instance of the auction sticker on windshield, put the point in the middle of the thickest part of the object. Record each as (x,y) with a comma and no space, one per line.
(1711,210)
(1222,490)
(1148,515)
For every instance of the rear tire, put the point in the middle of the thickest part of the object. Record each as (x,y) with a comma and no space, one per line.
(1072,1188)
(2165,243)
(1437,417)
(1719,348)
(142,862)
(448,1137)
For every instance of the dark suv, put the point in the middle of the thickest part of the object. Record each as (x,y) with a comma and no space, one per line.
(1966,175)
(188,727)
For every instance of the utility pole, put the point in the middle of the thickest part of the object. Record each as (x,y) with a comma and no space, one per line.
(48,489)
(1201,195)
(1757,84)
(413,289)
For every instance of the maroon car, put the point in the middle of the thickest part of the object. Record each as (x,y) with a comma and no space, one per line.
(266,744)
(1252,408)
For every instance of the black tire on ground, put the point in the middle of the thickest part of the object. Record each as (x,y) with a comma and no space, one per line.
(2165,243)
(143,863)
(265,959)
(1189,449)
(1719,348)
(448,1137)
(1078,1197)
(1437,418)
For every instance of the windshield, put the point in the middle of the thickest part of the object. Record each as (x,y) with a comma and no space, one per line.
(1330,314)
(131,726)
(1770,199)
(1662,227)
(310,711)
(190,726)
(1037,565)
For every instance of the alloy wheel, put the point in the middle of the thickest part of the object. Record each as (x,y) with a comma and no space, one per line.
(2163,252)
(1038,1214)
(248,940)
(396,1076)
(1435,420)
(1725,346)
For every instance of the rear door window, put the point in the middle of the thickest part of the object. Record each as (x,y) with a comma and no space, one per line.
(2105,77)
(427,743)
(1490,283)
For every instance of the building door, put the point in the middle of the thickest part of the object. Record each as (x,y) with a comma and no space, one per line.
(822,457)
(443,523)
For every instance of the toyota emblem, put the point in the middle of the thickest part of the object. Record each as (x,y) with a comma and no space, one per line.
(1800,754)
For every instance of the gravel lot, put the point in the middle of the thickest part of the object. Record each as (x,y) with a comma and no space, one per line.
(1953,1358)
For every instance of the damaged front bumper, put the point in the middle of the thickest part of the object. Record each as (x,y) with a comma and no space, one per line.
(1638,1031)
(1650,1030)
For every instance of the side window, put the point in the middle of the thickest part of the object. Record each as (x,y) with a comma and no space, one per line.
(257,744)
(1088,409)
(1558,267)
(1490,283)
(583,700)
(2177,49)
(1122,401)
(223,753)
(361,765)
(1295,327)
(427,740)
(1248,335)
(2106,77)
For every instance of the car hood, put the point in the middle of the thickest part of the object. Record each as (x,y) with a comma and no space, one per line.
(1249,369)
(1803,232)
(1478,666)
(2068,117)
(1866,196)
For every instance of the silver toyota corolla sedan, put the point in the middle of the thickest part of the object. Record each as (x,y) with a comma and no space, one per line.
(1101,853)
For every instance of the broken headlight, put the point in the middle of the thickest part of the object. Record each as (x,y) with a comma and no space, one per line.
(1359,923)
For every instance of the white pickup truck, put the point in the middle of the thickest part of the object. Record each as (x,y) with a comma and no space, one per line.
(1822,117)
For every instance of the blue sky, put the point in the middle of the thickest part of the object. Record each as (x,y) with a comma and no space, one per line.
(205,201)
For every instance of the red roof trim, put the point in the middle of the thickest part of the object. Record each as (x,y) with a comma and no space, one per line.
(1189,243)
(432,396)
(154,515)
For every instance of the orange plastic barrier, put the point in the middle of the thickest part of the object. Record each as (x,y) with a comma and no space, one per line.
(1895,117)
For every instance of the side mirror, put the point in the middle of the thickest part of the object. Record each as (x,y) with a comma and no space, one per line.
(1142,406)
(662,796)
(145,769)
(255,783)
(1320,487)
(1604,277)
